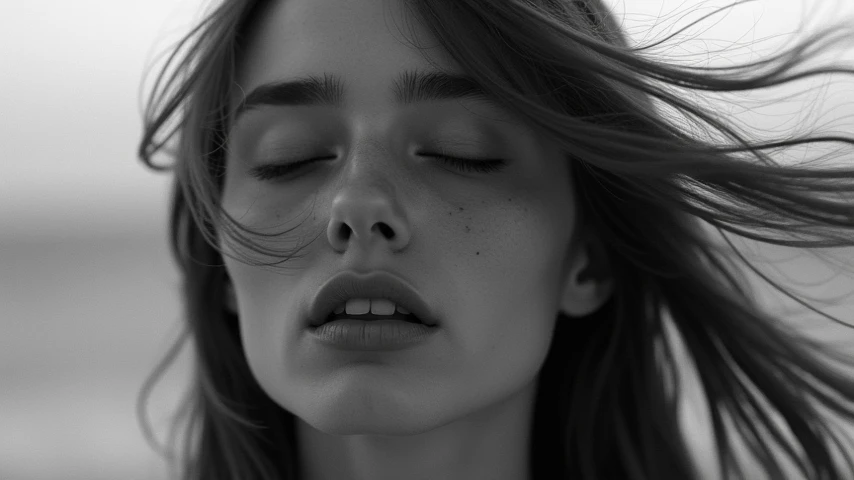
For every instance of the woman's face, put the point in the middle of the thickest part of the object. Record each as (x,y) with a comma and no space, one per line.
(489,252)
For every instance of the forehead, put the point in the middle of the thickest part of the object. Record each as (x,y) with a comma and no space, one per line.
(366,41)
(368,44)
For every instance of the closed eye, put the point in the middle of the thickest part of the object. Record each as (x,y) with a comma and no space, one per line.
(479,165)
(269,172)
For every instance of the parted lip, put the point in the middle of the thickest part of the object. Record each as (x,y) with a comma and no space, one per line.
(349,285)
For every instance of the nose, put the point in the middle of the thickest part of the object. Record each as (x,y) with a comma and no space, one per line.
(365,214)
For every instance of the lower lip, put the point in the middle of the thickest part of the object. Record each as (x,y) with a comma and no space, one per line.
(372,335)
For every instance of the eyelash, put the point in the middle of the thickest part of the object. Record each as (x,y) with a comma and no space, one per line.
(479,165)
(269,172)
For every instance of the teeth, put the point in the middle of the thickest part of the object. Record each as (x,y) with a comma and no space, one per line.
(377,306)
(382,307)
(358,306)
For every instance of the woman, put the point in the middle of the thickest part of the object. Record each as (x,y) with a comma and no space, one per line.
(488,221)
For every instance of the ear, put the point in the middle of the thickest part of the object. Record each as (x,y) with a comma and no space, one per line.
(589,282)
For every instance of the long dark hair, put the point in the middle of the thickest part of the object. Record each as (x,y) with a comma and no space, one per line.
(607,401)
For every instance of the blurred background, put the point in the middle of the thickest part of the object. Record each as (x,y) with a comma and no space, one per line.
(88,293)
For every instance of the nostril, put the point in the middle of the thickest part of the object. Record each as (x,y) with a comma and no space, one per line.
(345,230)
(386,230)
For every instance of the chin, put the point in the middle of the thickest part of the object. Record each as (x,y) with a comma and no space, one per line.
(374,417)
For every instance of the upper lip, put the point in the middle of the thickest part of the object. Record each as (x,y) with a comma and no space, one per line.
(349,285)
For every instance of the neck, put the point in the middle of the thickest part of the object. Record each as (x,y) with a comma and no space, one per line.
(491,443)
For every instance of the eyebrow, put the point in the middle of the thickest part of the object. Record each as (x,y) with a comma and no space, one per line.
(410,87)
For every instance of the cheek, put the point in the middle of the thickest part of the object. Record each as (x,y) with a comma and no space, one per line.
(508,300)
(272,237)
(262,326)
(516,251)
(265,345)
(507,278)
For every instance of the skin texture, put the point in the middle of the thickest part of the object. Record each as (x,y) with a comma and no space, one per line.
(496,255)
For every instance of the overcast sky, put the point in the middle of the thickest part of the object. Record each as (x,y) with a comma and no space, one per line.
(69,96)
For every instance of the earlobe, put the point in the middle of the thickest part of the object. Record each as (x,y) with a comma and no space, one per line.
(589,284)
(584,298)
